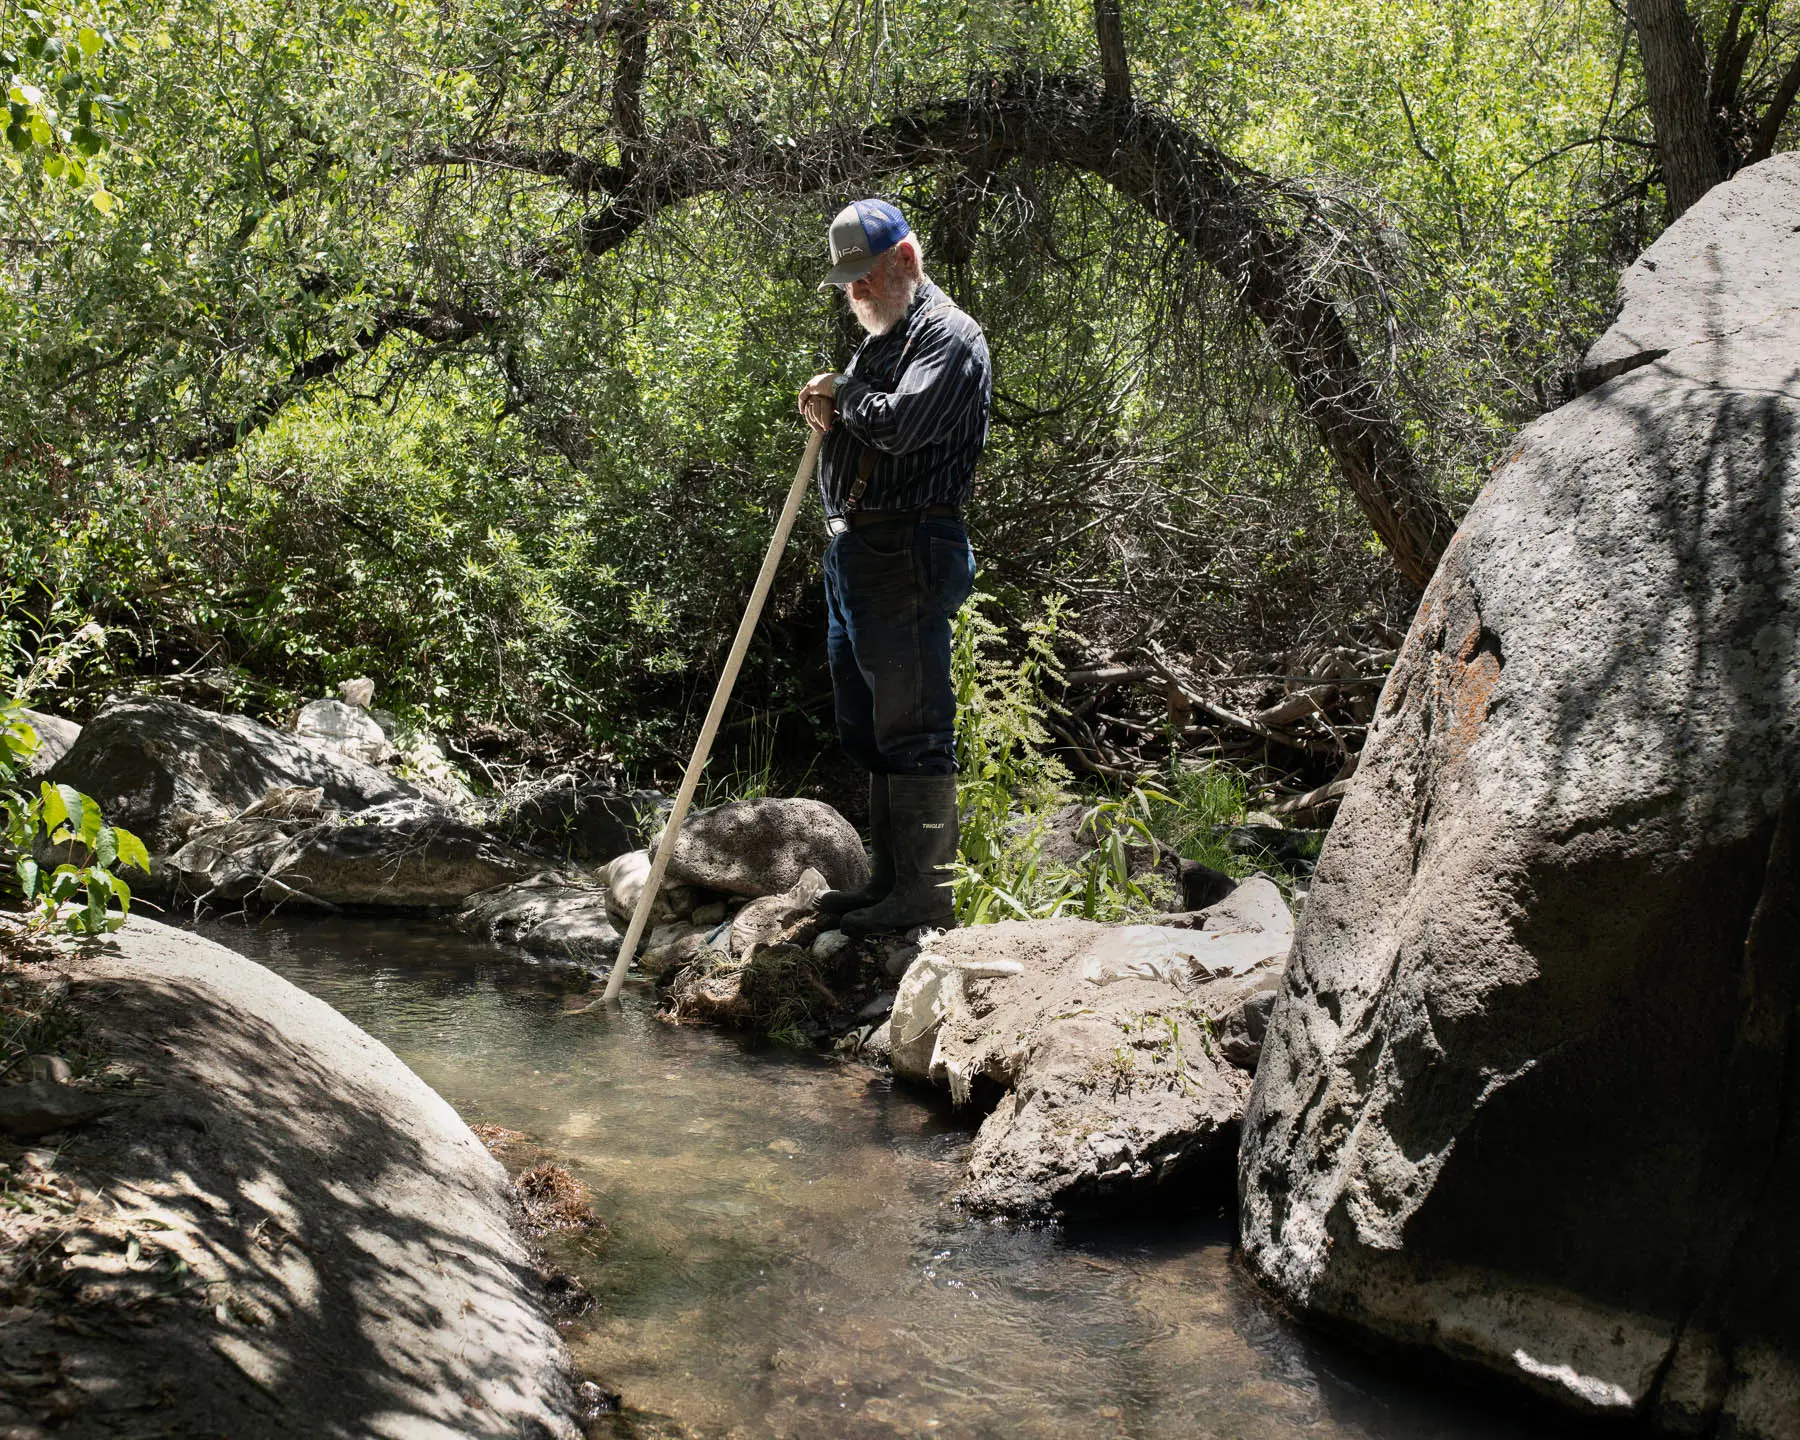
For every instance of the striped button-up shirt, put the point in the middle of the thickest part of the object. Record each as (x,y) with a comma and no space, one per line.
(917,397)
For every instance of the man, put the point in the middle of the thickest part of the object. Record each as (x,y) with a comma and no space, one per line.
(903,426)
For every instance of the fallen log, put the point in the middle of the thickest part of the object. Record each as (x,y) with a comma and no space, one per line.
(1313,799)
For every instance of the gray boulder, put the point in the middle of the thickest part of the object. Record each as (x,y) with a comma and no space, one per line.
(772,919)
(1105,1040)
(575,819)
(56,737)
(350,730)
(560,916)
(1528,1095)
(667,948)
(761,847)
(625,877)
(162,768)
(404,855)
(227,861)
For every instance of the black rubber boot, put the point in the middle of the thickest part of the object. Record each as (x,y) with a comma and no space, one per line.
(881,858)
(923,822)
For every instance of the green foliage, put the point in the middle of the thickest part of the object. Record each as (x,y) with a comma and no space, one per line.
(1002,753)
(59,113)
(1002,746)
(1012,790)
(551,524)
(1196,804)
(83,895)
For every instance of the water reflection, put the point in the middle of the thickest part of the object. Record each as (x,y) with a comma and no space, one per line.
(779,1261)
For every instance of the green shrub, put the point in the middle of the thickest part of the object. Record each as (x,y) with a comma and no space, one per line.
(1011,788)
(82,896)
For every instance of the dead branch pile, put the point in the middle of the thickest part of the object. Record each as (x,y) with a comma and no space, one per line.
(1295,721)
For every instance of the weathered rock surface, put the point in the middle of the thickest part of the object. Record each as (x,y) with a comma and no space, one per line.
(760,847)
(228,860)
(349,730)
(774,918)
(41,1107)
(1529,1095)
(162,768)
(625,877)
(324,1245)
(56,737)
(574,819)
(556,915)
(1726,277)
(404,855)
(1103,1038)
(669,947)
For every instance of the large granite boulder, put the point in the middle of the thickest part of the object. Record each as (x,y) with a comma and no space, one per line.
(56,738)
(559,916)
(761,847)
(162,769)
(1107,1041)
(405,855)
(1530,1094)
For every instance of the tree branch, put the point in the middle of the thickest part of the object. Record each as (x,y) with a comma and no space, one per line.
(628,90)
(1115,65)
(1728,63)
(1224,211)
(1769,131)
(437,323)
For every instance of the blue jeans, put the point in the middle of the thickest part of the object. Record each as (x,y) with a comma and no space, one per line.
(891,589)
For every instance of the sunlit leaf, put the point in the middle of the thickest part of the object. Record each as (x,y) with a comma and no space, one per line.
(132,852)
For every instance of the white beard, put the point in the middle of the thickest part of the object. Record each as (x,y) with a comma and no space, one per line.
(881,313)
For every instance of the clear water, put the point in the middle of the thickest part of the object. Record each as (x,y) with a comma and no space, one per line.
(779,1261)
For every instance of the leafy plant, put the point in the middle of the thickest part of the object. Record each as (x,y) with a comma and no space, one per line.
(1012,787)
(58,112)
(82,895)
(1197,803)
(1008,779)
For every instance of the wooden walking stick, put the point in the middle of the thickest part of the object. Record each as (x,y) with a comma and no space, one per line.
(640,915)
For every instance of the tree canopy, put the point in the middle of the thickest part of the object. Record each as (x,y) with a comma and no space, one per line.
(456,343)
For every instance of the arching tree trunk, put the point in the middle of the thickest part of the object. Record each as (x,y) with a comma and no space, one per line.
(1677,87)
(1230,217)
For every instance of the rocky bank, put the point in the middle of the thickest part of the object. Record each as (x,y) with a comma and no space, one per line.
(267,1226)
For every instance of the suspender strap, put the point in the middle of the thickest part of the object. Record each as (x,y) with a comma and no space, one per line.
(871,457)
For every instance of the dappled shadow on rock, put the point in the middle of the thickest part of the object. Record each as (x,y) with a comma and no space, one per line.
(1529,1096)
(291,1234)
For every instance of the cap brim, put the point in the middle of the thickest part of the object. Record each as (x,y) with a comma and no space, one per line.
(850,270)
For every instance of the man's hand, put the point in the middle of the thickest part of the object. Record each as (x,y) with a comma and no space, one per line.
(818,404)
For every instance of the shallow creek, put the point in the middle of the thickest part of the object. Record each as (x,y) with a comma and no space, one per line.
(779,1260)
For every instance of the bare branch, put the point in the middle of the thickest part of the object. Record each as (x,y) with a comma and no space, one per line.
(1769,131)
(1115,65)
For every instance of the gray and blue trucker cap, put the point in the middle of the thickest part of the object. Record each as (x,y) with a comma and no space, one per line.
(860,235)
